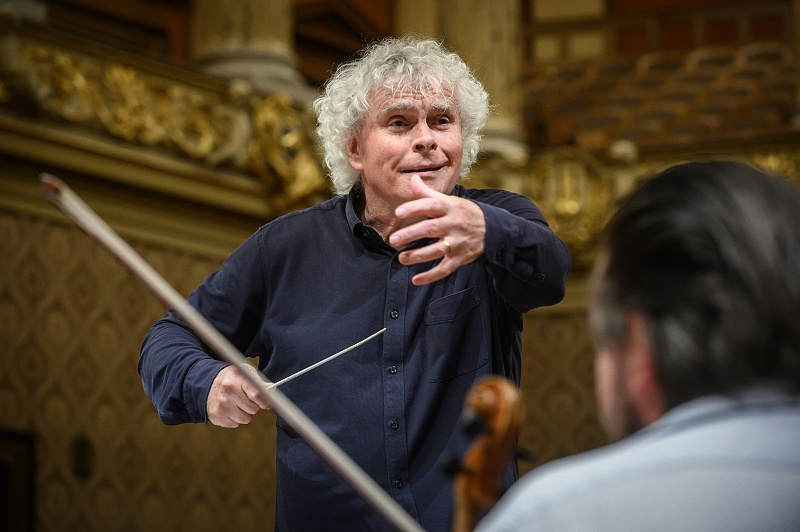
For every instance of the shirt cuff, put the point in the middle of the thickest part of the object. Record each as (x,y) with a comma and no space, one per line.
(197,384)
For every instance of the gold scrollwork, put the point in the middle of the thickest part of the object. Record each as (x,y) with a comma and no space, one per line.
(780,163)
(125,106)
(58,82)
(575,193)
(266,136)
(285,144)
(188,122)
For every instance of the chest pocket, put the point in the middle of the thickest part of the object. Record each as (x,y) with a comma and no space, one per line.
(456,336)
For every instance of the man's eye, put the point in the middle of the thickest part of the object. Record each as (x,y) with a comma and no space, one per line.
(397,123)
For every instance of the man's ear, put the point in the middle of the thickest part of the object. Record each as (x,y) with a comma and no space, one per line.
(642,382)
(354,154)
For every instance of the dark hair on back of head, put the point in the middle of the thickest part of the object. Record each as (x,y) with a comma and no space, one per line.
(709,253)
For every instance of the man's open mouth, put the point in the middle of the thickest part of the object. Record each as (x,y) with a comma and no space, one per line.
(423,170)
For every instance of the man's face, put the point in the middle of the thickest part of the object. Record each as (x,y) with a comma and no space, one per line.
(616,409)
(615,406)
(405,134)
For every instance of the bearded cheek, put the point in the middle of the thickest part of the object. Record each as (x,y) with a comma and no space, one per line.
(614,409)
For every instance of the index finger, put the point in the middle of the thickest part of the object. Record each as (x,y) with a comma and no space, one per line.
(257,395)
(252,392)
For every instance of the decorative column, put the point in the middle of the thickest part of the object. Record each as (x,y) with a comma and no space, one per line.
(250,40)
(488,37)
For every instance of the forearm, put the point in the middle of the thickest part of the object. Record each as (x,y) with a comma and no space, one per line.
(528,261)
(176,370)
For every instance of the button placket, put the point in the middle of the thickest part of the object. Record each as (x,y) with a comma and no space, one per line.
(398,283)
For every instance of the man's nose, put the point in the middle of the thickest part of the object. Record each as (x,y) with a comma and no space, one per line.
(424,140)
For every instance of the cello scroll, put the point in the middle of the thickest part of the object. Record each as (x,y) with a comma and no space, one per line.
(493,411)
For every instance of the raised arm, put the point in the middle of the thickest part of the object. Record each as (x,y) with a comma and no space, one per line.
(527,260)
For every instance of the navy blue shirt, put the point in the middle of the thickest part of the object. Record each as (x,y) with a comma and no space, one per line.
(312,282)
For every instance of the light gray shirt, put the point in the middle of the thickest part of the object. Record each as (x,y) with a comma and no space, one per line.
(713,464)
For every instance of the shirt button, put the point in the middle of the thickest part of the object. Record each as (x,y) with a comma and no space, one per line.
(398,483)
(394,314)
(392,370)
(394,425)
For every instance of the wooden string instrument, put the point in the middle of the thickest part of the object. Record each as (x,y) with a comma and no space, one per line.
(493,412)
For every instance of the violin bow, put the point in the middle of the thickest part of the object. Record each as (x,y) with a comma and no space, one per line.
(75,208)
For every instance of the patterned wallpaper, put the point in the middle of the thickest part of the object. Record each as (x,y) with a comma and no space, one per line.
(557,388)
(71,323)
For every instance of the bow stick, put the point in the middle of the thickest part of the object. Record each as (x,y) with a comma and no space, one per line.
(69,202)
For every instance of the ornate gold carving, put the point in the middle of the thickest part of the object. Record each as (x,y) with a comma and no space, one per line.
(61,84)
(781,163)
(558,387)
(578,192)
(268,137)
(283,144)
(575,193)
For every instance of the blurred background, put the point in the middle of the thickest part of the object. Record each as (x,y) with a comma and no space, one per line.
(186,124)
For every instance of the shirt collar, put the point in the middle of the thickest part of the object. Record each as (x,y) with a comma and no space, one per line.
(350,211)
(362,231)
(755,398)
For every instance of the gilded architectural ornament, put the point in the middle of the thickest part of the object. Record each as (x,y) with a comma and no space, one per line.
(265,136)
(285,144)
(573,189)
(494,170)
(781,163)
(576,194)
